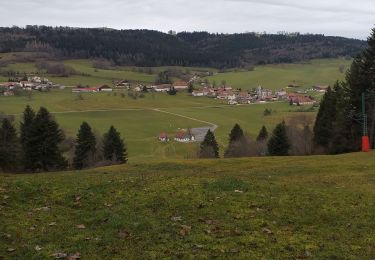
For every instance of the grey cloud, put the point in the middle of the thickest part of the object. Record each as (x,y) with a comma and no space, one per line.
(333,17)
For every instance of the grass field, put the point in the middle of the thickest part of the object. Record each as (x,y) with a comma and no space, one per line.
(315,72)
(318,207)
(140,124)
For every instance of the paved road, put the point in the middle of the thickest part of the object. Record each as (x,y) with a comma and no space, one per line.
(200,132)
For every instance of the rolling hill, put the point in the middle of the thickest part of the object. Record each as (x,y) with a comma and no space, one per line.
(153,48)
(296,207)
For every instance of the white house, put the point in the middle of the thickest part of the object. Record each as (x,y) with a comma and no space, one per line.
(162,88)
(184,136)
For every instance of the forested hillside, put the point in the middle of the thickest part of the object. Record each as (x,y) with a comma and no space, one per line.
(152,48)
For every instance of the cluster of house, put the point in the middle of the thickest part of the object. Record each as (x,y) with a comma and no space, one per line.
(258,95)
(182,136)
(234,97)
(178,86)
(30,83)
(100,88)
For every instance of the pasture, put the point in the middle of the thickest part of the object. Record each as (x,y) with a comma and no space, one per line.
(319,207)
(139,122)
(306,75)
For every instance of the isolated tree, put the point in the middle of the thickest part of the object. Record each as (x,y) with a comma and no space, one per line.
(190,87)
(9,146)
(26,135)
(85,148)
(263,134)
(114,148)
(209,147)
(279,145)
(172,91)
(236,133)
(163,78)
(46,136)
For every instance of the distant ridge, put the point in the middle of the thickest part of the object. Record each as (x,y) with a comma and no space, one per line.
(153,48)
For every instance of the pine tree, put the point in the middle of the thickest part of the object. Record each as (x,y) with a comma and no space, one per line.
(236,133)
(361,79)
(279,145)
(26,135)
(114,148)
(85,148)
(190,87)
(45,139)
(172,91)
(323,129)
(209,147)
(9,146)
(263,134)
(342,135)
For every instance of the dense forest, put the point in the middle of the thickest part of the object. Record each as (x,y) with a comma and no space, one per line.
(153,48)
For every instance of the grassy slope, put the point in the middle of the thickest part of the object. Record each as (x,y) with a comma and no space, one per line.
(318,207)
(271,76)
(321,72)
(141,127)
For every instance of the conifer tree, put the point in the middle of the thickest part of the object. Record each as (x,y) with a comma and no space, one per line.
(114,148)
(279,145)
(361,79)
(85,148)
(236,133)
(323,129)
(209,147)
(190,87)
(172,91)
(263,134)
(9,146)
(45,139)
(26,135)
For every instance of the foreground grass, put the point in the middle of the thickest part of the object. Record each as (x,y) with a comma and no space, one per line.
(307,207)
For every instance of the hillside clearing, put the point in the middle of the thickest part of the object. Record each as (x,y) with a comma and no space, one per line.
(296,207)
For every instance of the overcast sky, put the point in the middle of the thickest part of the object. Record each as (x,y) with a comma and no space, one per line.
(350,18)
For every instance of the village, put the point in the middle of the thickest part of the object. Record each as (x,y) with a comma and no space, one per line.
(292,94)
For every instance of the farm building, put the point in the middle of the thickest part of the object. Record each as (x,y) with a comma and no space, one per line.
(101,88)
(163,137)
(104,88)
(180,85)
(84,90)
(320,89)
(184,136)
(301,100)
(162,88)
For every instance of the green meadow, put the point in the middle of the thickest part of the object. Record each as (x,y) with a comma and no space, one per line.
(315,72)
(319,207)
(306,74)
(140,124)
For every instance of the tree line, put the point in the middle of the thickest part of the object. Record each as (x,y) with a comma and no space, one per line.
(338,127)
(153,48)
(339,123)
(284,140)
(40,145)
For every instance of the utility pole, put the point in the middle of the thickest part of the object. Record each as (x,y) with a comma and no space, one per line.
(365,137)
